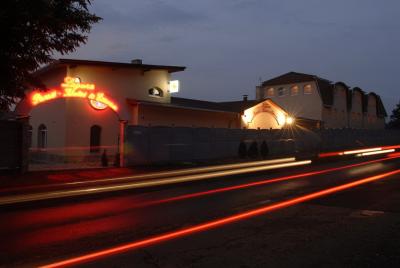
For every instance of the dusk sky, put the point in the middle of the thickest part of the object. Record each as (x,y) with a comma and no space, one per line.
(229,45)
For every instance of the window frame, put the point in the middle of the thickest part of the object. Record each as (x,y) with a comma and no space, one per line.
(307,86)
(156,89)
(283,89)
(291,90)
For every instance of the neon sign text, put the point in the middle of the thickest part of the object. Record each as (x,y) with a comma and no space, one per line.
(73,88)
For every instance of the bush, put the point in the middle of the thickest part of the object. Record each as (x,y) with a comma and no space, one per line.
(253,150)
(264,150)
(242,150)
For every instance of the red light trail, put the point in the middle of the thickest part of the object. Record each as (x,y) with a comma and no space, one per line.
(263,182)
(355,151)
(218,222)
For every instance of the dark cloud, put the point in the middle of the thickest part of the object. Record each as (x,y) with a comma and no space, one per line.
(228,45)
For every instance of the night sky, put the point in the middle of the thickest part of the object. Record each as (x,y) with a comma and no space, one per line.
(229,45)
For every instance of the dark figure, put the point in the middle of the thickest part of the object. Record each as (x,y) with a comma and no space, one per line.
(264,150)
(253,150)
(242,150)
(104,159)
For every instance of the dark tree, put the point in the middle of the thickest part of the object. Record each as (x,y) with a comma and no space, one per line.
(253,150)
(242,151)
(395,117)
(264,150)
(32,30)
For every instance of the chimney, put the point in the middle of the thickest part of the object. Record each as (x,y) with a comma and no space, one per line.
(137,61)
(245,97)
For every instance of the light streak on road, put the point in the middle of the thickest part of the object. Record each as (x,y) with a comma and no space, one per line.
(143,184)
(356,151)
(173,173)
(263,182)
(105,207)
(217,223)
(376,152)
(362,151)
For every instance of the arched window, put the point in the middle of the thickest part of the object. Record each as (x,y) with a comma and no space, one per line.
(294,90)
(95,138)
(156,92)
(42,136)
(270,92)
(281,91)
(307,89)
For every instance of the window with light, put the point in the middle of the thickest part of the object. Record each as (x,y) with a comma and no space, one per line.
(307,89)
(294,90)
(270,92)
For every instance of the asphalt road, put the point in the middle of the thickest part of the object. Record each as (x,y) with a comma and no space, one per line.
(358,227)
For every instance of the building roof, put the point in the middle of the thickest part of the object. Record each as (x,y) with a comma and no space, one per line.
(135,65)
(229,107)
(326,90)
(325,86)
(380,108)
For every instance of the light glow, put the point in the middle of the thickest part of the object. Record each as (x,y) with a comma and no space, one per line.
(376,152)
(73,88)
(217,223)
(289,120)
(281,119)
(361,151)
(174,86)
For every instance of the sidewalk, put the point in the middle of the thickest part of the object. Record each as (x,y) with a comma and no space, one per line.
(53,177)
(61,176)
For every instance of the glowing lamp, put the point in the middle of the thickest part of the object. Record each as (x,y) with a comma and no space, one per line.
(281,119)
(97,105)
(174,86)
(289,120)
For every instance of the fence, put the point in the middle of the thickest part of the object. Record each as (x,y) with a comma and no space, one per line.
(149,145)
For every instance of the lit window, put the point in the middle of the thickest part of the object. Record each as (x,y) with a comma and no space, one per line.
(281,91)
(307,89)
(156,92)
(294,90)
(42,136)
(270,92)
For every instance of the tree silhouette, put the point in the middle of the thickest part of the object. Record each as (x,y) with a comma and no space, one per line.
(395,117)
(32,30)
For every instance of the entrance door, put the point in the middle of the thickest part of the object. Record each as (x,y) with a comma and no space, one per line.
(95,138)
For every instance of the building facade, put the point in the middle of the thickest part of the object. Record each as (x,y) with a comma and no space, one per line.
(88,104)
(319,103)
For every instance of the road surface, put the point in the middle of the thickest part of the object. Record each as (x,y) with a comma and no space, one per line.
(356,227)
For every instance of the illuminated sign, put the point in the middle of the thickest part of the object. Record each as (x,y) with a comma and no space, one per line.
(73,88)
(174,86)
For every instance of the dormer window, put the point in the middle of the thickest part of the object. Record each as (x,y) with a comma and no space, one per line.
(307,89)
(294,90)
(270,92)
(156,92)
(281,91)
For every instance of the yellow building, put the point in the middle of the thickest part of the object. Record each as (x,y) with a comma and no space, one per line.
(317,102)
(89,103)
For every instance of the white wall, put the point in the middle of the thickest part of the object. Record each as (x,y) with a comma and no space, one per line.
(300,105)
